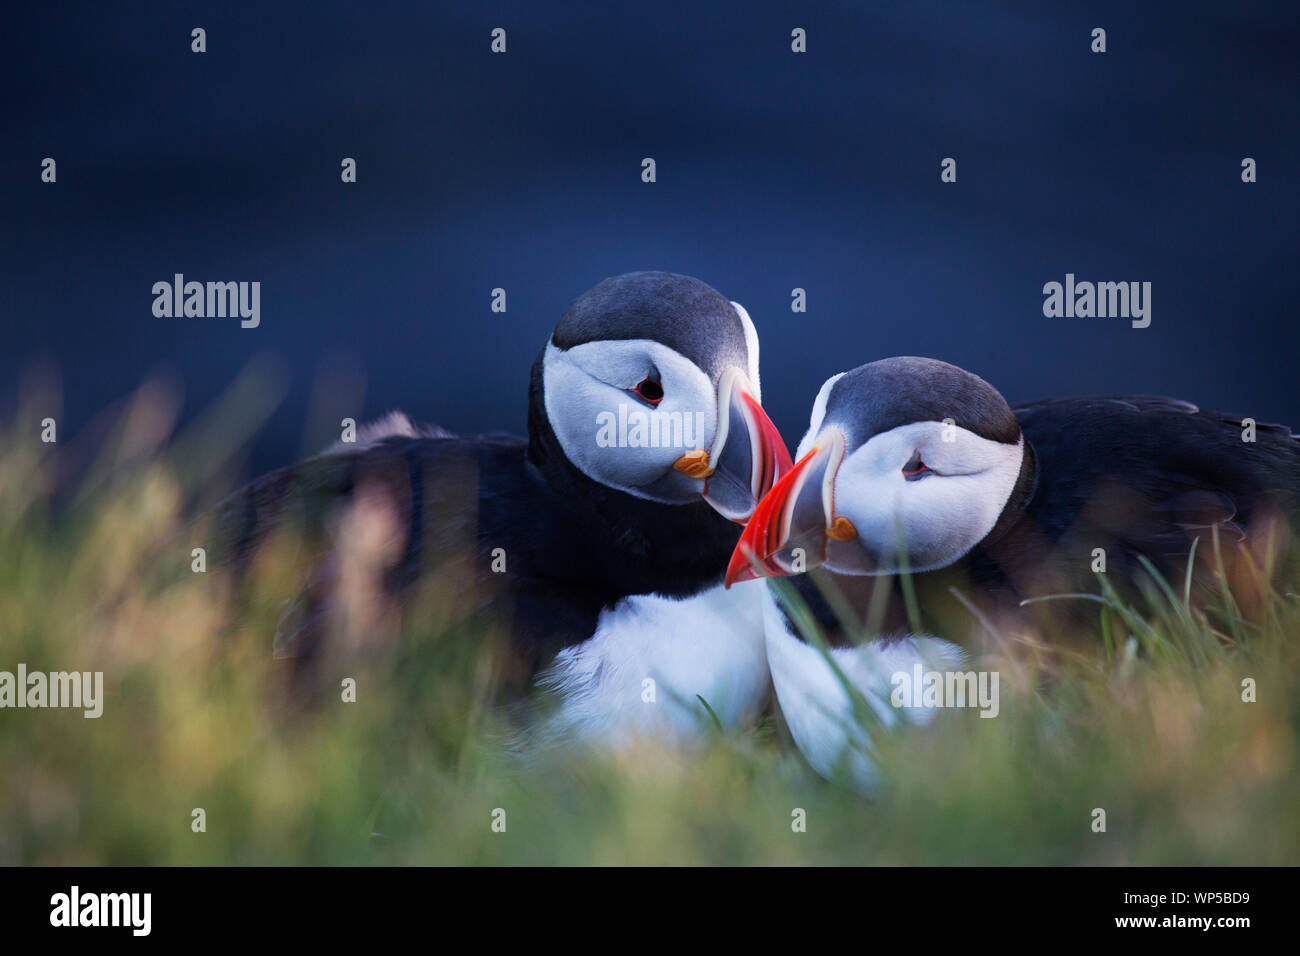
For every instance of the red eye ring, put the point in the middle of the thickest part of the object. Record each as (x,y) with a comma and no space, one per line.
(649,391)
(915,468)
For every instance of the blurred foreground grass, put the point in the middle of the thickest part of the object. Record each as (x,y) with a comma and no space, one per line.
(411,773)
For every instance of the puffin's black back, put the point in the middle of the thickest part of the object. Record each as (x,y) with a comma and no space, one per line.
(1142,476)
(571,546)
(1190,468)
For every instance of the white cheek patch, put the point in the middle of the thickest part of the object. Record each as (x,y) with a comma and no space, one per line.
(612,436)
(940,516)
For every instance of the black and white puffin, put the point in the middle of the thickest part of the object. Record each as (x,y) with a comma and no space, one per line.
(912,462)
(600,540)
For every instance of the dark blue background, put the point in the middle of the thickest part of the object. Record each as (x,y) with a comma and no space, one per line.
(775,170)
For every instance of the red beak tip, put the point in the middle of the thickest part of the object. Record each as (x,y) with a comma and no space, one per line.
(738,568)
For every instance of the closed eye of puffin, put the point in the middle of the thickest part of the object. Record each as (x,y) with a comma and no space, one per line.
(916,469)
(649,391)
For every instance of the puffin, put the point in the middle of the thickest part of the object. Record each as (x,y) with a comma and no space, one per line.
(597,543)
(915,465)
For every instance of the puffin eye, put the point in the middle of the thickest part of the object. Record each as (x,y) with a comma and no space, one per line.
(915,469)
(650,391)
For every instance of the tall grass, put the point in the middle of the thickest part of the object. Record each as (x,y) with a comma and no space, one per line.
(1149,724)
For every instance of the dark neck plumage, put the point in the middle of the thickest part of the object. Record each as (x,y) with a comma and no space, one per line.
(639,546)
(1020,497)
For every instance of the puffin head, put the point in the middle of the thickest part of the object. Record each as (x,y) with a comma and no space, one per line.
(650,386)
(908,463)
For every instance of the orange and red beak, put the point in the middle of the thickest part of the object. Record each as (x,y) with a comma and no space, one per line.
(792,524)
(747,456)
